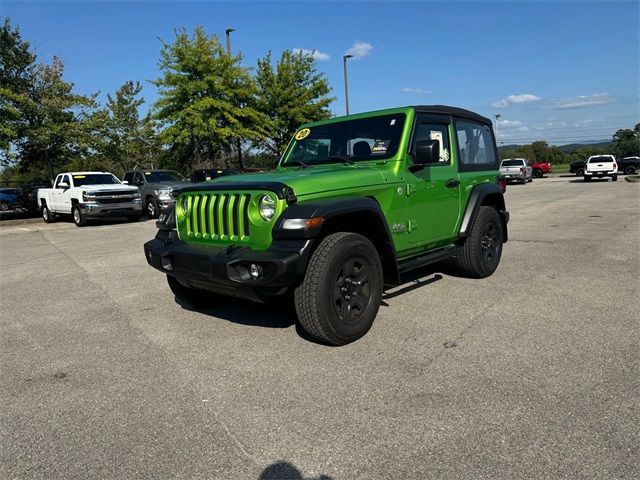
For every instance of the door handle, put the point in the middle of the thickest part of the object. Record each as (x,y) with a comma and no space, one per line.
(451,183)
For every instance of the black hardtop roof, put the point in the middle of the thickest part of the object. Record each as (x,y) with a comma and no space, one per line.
(455,111)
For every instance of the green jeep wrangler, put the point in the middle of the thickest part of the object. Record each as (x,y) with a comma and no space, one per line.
(354,203)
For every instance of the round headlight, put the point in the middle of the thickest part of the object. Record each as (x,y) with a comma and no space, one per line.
(267,207)
(185,205)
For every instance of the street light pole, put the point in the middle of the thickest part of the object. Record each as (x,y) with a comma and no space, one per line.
(497,115)
(346,82)
(227,33)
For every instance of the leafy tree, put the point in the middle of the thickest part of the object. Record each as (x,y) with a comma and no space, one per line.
(206,99)
(626,142)
(289,95)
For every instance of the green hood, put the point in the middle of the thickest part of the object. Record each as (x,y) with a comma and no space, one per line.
(307,181)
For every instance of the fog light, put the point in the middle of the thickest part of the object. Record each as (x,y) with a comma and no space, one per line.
(255,271)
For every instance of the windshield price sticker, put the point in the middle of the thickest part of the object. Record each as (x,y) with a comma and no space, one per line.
(380,146)
(302,134)
(79,176)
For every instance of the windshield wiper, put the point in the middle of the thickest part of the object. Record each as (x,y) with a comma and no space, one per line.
(298,162)
(346,160)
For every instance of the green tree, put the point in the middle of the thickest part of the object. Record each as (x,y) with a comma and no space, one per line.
(626,142)
(206,100)
(290,94)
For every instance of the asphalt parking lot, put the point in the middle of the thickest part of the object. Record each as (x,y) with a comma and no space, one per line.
(531,373)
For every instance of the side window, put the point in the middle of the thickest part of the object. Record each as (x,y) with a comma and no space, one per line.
(128,177)
(58,180)
(137,179)
(475,146)
(63,179)
(426,130)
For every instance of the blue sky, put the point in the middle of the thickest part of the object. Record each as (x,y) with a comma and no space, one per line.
(561,71)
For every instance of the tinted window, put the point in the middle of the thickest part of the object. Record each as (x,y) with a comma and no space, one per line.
(128,177)
(163,176)
(475,146)
(373,138)
(601,159)
(512,163)
(137,179)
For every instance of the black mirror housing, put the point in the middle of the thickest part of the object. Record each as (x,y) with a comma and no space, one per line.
(426,151)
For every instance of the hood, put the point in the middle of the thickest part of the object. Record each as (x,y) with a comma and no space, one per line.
(110,187)
(306,181)
(175,185)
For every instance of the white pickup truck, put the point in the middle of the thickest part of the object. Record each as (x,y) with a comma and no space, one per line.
(88,195)
(516,169)
(601,166)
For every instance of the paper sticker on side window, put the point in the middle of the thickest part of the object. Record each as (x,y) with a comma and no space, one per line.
(380,147)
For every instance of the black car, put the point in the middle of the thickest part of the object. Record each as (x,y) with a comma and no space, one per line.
(577,167)
(206,174)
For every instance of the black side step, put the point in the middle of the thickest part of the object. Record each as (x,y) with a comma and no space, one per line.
(428,258)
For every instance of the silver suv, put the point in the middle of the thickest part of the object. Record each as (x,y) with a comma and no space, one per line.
(156,187)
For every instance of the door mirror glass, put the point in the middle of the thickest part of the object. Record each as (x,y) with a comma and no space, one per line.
(426,151)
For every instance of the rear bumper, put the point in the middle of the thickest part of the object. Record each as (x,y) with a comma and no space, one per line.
(226,270)
(609,173)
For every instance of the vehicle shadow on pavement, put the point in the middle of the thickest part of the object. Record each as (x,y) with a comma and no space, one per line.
(286,471)
(593,180)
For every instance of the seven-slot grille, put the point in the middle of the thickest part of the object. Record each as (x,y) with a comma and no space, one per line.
(218,216)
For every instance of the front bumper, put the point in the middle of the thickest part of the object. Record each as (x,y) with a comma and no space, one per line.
(98,210)
(226,269)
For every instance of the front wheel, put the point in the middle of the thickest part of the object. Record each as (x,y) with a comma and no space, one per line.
(78,217)
(579,172)
(152,208)
(47,216)
(482,249)
(340,295)
(4,206)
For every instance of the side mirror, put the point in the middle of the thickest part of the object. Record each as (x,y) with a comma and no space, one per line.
(63,185)
(125,182)
(426,151)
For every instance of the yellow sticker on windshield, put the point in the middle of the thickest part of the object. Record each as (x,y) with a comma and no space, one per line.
(79,176)
(147,173)
(302,134)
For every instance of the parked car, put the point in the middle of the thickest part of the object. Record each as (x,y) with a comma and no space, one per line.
(206,174)
(89,195)
(156,188)
(601,166)
(629,165)
(9,199)
(516,169)
(577,167)
(354,203)
(540,169)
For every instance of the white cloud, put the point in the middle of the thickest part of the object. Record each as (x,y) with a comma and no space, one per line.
(359,50)
(515,99)
(510,123)
(316,54)
(584,101)
(416,91)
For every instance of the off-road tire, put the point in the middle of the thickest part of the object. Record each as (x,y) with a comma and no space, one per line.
(78,217)
(614,178)
(630,170)
(47,215)
(537,173)
(474,259)
(342,261)
(191,296)
(152,208)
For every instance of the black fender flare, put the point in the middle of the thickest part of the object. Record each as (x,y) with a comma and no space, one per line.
(484,194)
(337,209)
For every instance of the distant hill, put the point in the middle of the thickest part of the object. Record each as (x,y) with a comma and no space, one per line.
(570,147)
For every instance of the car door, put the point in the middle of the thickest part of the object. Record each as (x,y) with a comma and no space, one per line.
(432,193)
(57,200)
(64,198)
(138,181)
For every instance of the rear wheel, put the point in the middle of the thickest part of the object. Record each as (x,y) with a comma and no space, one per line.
(630,170)
(482,249)
(78,217)
(580,172)
(341,292)
(191,296)
(537,173)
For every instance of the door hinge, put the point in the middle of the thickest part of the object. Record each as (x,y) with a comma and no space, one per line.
(411,188)
(412,225)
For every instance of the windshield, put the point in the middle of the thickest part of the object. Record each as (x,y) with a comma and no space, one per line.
(163,176)
(373,138)
(512,163)
(95,179)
